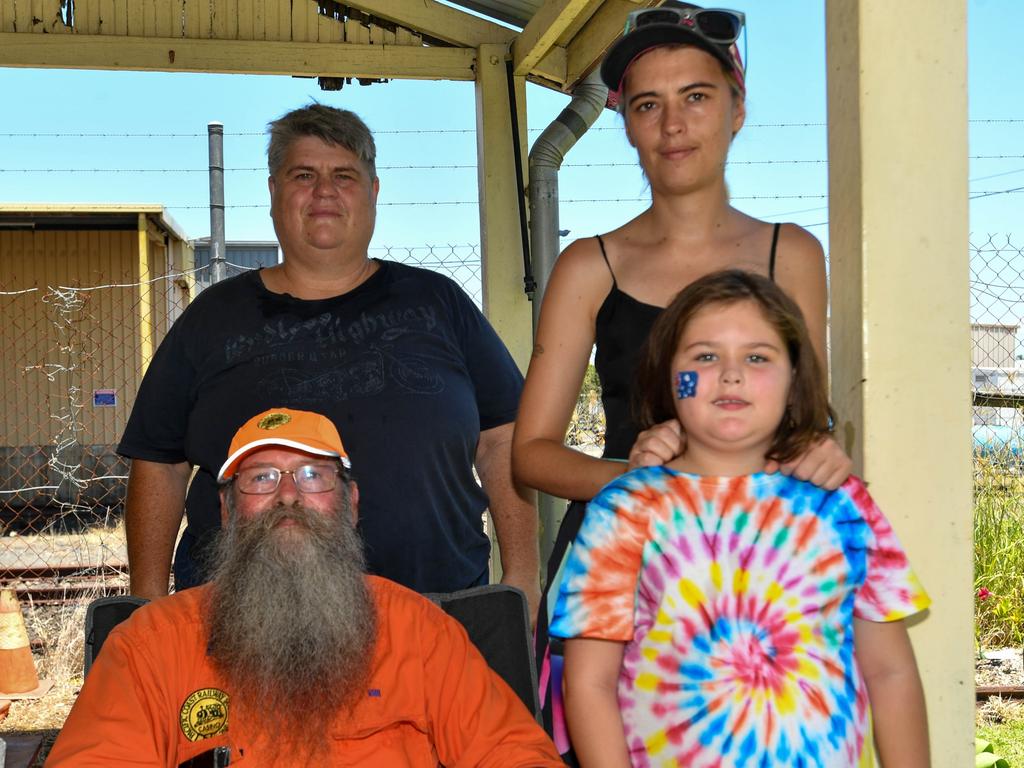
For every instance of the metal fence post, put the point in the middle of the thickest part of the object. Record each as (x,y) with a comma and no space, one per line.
(218,268)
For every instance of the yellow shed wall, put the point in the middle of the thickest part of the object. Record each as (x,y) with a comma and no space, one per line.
(78,331)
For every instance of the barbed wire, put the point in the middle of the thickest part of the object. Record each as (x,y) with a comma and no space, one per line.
(471,166)
(415,131)
(590,200)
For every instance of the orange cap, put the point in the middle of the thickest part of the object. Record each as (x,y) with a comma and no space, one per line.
(302,430)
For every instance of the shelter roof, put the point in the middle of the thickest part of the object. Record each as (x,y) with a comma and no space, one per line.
(555,43)
(94,216)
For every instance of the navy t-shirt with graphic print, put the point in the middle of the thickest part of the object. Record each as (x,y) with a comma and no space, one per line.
(405,365)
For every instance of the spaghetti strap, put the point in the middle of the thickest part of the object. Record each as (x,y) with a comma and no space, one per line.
(607,263)
(771,257)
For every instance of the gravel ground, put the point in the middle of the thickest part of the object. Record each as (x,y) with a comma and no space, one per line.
(1002,666)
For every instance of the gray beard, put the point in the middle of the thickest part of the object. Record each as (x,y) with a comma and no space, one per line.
(292,623)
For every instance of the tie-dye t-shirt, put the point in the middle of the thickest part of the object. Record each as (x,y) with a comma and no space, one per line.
(735,598)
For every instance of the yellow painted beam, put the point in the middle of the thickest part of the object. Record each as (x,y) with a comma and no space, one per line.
(542,32)
(235,56)
(145,296)
(552,67)
(505,302)
(436,20)
(589,46)
(900,335)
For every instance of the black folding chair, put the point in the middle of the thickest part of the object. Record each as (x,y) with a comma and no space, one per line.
(495,617)
(497,620)
(102,615)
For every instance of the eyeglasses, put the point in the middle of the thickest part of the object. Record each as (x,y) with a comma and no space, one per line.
(310,478)
(717,25)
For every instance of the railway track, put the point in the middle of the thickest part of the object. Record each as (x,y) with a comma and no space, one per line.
(983,692)
(52,585)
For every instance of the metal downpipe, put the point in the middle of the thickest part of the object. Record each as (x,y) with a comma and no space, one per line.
(546,156)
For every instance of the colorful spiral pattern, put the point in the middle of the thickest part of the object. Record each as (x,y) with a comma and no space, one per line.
(736,598)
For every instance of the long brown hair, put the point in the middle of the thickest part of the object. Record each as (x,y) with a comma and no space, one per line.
(808,413)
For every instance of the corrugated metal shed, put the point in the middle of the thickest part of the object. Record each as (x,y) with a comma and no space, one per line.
(72,216)
(994,345)
(86,293)
(240,255)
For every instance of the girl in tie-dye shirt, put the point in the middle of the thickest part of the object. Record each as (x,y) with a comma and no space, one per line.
(714,615)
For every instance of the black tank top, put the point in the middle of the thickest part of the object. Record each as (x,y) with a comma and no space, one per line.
(620,330)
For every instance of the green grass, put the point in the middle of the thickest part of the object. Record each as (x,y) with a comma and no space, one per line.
(1007,740)
(999,552)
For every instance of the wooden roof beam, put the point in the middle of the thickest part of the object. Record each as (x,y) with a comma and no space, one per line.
(541,34)
(589,46)
(251,57)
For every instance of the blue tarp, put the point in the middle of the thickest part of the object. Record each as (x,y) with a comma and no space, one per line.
(997,440)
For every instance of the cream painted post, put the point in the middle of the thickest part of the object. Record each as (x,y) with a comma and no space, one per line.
(505,302)
(897,96)
(145,297)
(501,242)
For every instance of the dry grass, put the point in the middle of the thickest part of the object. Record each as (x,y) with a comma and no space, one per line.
(60,629)
(58,633)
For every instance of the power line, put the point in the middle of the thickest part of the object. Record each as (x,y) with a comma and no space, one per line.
(996,192)
(995,175)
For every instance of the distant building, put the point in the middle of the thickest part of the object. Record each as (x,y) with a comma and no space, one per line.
(993,358)
(240,255)
(995,371)
(993,345)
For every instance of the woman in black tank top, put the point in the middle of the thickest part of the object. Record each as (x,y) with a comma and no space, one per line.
(681,95)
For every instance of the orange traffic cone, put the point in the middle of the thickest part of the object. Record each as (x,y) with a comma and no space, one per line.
(17,672)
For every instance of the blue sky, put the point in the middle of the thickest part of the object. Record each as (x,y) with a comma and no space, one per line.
(431,124)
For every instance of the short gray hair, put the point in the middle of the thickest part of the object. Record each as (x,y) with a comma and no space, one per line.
(329,124)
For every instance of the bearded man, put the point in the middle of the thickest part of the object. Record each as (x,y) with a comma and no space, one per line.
(292,655)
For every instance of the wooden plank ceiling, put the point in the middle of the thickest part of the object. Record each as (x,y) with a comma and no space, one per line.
(560,42)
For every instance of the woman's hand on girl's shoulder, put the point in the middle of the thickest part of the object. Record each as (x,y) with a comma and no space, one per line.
(824,463)
(657,445)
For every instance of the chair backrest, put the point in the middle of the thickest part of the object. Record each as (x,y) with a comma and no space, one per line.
(495,617)
(497,620)
(102,615)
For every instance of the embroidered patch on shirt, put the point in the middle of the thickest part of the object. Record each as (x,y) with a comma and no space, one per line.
(204,714)
(373,693)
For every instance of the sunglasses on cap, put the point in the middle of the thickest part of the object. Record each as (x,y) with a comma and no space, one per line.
(716,25)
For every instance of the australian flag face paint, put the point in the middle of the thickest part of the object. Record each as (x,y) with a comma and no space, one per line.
(686,384)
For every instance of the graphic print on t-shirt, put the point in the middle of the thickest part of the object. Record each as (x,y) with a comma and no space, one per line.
(359,358)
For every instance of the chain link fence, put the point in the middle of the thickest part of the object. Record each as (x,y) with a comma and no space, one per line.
(997,376)
(72,361)
(73,357)
(997,365)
